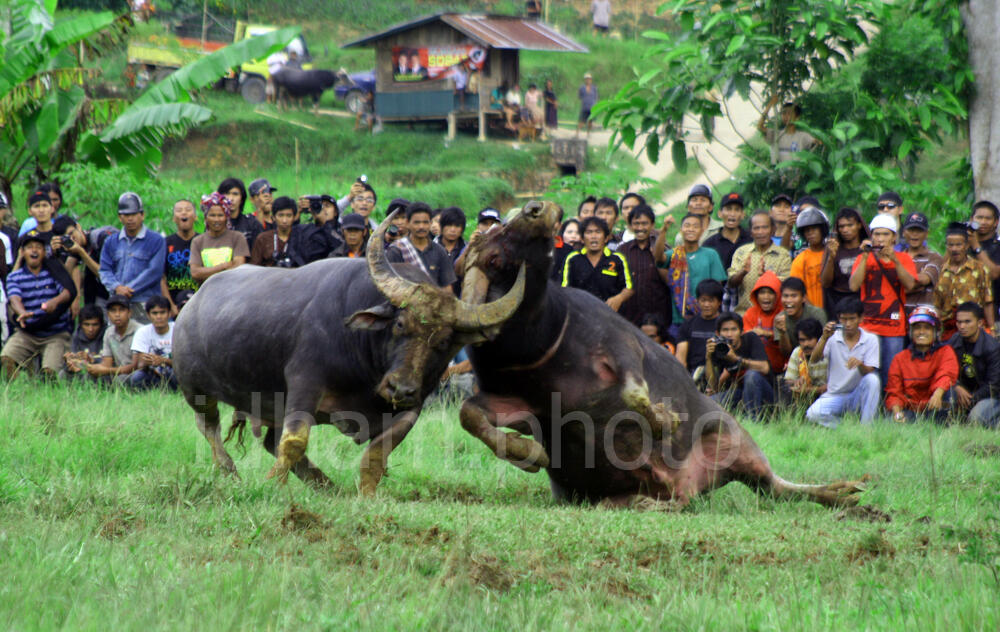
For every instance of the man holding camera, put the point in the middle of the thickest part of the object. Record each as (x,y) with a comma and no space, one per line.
(132,260)
(737,367)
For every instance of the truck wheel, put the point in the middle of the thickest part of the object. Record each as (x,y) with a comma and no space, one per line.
(355,101)
(254,89)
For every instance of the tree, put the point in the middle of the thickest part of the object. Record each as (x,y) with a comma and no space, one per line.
(48,116)
(982,19)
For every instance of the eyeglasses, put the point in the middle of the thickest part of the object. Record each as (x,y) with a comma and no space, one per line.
(885,205)
(367,200)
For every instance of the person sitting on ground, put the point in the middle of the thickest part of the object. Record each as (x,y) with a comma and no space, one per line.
(598,270)
(852,356)
(352,227)
(805,380)
(218,248)
(39,294)
(116,362)
(927,263)
(152,349)
(923,373)
(652,325)
(814,227)
(85,345)
(752,260)
(842,249)
(883,276)
(687,266)
(177,284)
(132,260)
(978,387)
(272,246)
(417,248)
(759,319)
(963,279)
(652,294)
(795,309)
(737,368)
(732,235)
(697,330)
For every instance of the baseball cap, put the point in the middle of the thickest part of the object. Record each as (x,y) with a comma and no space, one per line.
(353,220)
(31,235)
(117,299)
(488,214)
(782,197)
(916,220)
(587,75)
(883,220)
(700,189)
(890,196)
(258,185)
(732,198)
(129,203)
(924,314)
(328,198)
(38,196)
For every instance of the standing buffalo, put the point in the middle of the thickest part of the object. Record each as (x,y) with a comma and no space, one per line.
(617,417)
(298,83)
(321,344)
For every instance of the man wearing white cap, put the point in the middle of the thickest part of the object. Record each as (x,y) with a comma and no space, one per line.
(883,277)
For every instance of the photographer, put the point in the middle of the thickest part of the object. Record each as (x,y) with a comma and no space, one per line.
(271,249)
(360,199)
(737,367)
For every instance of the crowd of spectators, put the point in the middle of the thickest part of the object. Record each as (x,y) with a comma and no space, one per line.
(781,307)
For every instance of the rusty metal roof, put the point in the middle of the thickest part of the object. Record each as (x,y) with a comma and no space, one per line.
(495,31)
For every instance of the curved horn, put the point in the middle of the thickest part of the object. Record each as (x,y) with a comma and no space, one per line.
(478,317)
(391,285)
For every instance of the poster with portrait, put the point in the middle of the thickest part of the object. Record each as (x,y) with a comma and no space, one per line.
(428,63)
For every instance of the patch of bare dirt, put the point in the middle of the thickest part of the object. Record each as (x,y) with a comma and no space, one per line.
(298,519)
(872,547)
(985,450)
(119,525)
(865,514)
(491,573)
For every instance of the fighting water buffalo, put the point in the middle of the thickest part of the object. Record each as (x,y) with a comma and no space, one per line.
(337,341)
(297,83)
(611,415)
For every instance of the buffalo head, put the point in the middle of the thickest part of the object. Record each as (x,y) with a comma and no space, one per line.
(427,324)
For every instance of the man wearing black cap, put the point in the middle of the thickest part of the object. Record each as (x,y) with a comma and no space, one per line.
(40,292)
(732,235)
(928,263)
(353,228)
(963,279)
(700,203)
(983,242)
(417,248)
(132,260)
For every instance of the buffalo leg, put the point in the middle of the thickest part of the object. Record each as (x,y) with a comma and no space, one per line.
(207,416)
(481,422)
(299,416)
(305,469)
(376,456)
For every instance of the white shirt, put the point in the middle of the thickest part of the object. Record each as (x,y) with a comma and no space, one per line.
(8,251)
(840,379)
(146,340)
(276,61)
(602,12)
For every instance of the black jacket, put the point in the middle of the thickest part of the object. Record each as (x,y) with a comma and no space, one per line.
(978,365)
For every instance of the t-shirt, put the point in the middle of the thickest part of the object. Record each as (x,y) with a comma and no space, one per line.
(703,264)
(602,12)
(808,311)
(249,227)
(992,249)
(880,293)
(35,289)
(211,251)
(119,348)
(843,264)
(789,143)
(840,379)
(726,248)
(751,348)
(435,259)
(813,373)
(929,263)
(148,340)
(177,264)
(609,277)
(696,331)
(807,266)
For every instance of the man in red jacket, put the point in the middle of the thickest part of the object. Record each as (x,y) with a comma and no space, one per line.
(921,374)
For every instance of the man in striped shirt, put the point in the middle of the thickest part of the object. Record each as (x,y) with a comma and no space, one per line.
(40,296)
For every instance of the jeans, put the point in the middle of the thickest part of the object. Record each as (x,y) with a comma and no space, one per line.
(827,410)
(755,393)
(889,347)
(986,412)
(144,379)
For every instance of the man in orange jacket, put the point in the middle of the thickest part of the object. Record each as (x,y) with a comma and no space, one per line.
(923,373)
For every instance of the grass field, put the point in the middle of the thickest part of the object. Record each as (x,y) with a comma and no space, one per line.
(113,517)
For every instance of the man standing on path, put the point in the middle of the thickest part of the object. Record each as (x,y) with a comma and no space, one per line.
(588,97)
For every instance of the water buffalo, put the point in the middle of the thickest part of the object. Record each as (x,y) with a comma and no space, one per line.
(337,341)
(298,83)
(616,418)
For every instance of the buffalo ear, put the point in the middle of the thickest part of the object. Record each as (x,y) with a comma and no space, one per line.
(371,319)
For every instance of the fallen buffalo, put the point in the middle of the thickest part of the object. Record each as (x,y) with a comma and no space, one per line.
(615,416)
(321,344)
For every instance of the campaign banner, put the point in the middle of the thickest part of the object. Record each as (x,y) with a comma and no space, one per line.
(428,63)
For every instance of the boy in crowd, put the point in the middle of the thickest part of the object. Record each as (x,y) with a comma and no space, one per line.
(687,266)
(177,285)
(852,356)
(978,387)
(697,330)
(963,280)
(883,276)
(85,344)
(116,359)
(927,264)
(842,249)
(586,207)
(652,296)
(596,269)
(796,309)
(132,260)
(272,248)
(737,367)
(607,209)
(805,380)
(700,204)
(262,198)
(923,373)
(814,227)
(417,248)
(152,349)
(752,260)
(39,293)
(732,235)
(759,319)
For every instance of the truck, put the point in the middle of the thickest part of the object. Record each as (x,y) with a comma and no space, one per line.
(153,57)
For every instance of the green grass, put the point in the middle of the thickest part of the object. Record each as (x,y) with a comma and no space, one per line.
(113,517)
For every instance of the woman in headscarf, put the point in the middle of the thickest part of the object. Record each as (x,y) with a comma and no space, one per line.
(219,248)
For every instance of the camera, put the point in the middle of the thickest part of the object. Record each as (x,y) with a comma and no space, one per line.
(838,327)
(392,231)
(315,203)
(971,226)
(721,347)
(363,179)
(868,247)
(282,260)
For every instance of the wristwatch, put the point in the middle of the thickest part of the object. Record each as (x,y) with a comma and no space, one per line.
(976,251)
